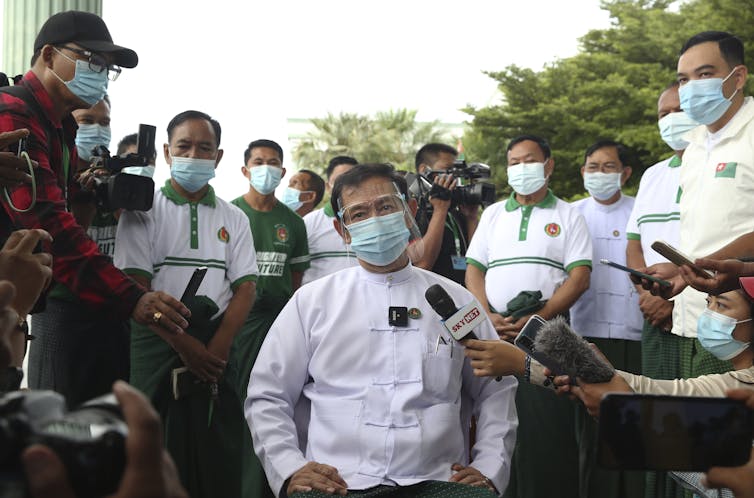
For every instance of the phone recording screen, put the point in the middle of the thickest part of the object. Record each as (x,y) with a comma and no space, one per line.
(673,433)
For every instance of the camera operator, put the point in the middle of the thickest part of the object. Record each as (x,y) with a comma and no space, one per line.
(446,228)
(74,58)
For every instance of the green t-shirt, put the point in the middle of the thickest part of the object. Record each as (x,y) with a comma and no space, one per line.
(281,245)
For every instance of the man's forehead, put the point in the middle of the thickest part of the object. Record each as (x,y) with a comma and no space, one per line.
(368,190)
(194,129)
(606,153)
(264,152)
(525,148)
(707,53)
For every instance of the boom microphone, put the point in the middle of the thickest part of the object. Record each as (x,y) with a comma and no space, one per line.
(558,341)
(458,322)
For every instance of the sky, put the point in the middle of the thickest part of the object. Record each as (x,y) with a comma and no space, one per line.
(252,65)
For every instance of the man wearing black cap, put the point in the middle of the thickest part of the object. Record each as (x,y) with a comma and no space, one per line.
(74,58)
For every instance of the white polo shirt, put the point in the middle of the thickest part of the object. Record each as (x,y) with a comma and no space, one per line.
(528,247)
(610,307)
(327,251)
(167,243)
(717,180)
(656,214)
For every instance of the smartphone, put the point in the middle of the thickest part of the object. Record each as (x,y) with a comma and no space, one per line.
(193,284)
(636,273)
(684,433)
(678,258)
(525,341)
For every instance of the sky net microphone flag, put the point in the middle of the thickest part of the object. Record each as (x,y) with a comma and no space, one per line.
(460,323)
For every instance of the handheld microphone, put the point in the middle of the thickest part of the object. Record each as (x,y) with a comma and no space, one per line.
(459,322)
(558,341)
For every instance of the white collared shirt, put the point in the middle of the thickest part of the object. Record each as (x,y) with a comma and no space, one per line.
(610,307)
(328,252)
(389,404)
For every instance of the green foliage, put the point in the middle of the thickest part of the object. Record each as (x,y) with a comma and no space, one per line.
(608,91)
(392,136)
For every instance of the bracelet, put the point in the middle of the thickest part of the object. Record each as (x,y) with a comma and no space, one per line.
(527,369)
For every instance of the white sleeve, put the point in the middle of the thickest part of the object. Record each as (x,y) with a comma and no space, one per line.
(275,385)
(633,232)
(242,257)
(578,250)
(133,243)
(478,249)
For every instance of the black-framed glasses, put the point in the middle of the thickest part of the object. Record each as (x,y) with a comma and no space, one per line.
(97,63)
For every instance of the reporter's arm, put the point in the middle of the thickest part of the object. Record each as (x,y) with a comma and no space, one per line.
(432,238)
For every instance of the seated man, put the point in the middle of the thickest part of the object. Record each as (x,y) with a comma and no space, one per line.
(390,398)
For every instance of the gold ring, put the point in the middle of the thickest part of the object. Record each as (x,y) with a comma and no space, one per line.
(156,317)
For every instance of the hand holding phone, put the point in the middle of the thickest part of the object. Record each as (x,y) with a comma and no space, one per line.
(525,342)
(678,258)
(636,273)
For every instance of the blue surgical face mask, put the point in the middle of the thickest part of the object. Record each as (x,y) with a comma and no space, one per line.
(673,127)
(602,186)
(89,136)
(90,86)
(191,173)
(291,198)
(380,240)
(147,171)
(526,178)
(703,100)
(715,332)
(265,178)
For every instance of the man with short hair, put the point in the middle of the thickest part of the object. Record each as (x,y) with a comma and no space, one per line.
(305,191)
(447,228)
(187,228)
(656,216)
(390,397)
(283,256)
(608,313)
(74,56)
(716,177)
(532,253)
(328,252)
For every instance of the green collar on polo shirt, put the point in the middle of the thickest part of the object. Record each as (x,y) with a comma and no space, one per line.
(548,202)
(173,195)
(675,161)
(328,210)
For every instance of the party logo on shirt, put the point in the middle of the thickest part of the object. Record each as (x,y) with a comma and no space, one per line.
(281,232)
(726,170)
(223,235)
(552,229)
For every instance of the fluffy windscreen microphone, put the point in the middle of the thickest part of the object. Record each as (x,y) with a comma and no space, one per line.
(558,341)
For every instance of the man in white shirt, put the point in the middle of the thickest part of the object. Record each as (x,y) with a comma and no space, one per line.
(608,312)
(327,251)
(533,241)
(716,177)
(390,393)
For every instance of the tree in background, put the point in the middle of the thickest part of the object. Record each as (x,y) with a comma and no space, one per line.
(392,136)
(609,90)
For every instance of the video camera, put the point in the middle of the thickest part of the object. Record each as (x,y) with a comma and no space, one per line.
(118,190)
(422,187)
(90,440)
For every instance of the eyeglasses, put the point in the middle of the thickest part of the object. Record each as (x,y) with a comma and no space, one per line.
(603,167)
(97,63)
(380,206)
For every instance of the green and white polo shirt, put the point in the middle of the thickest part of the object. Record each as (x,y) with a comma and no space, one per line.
(656,214)
(167,243)
(528,247)
(281,247)
(328,252)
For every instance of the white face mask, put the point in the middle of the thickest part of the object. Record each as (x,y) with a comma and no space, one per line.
(602,186)
(526,178)
(673,127)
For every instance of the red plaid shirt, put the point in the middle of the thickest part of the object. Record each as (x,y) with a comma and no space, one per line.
(77,263)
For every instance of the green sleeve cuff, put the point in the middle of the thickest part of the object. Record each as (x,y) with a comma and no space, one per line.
(581,262)
(633,236)
(247,278)
(137,273)
(470,261)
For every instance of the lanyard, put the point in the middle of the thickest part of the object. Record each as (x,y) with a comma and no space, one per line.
(66,171)
(452,225)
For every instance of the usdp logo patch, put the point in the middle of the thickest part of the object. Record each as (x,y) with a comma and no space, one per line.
(281,232)
(552,229)
(223,235)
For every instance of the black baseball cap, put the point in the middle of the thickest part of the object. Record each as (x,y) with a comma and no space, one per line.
(85,29)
